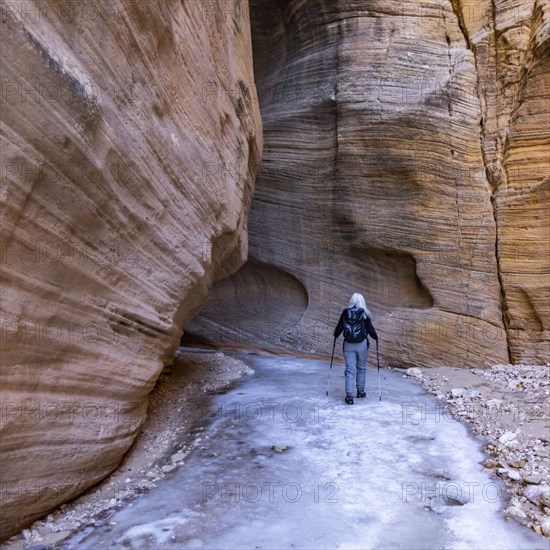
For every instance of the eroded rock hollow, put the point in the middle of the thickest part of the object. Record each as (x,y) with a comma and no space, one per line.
(406,156)
(130,147)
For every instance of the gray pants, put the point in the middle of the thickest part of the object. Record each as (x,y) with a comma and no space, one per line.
(355,356)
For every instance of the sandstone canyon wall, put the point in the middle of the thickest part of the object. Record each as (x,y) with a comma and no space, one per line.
(511,44)
(406,156)
(130,145)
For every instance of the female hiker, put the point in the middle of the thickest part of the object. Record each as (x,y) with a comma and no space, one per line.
(356,324)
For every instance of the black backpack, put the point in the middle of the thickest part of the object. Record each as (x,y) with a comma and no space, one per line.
(354,325)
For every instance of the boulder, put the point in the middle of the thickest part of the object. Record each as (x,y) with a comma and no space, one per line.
(414,372)
(533,479)
(506,438)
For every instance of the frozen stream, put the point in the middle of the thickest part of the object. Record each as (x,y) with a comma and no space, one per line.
(283,466)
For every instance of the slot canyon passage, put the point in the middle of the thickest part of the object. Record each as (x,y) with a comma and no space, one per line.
(232,171)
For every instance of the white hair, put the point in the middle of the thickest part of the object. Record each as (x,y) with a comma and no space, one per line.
(358,301)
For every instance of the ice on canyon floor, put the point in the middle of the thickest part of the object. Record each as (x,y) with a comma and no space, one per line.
(283,466)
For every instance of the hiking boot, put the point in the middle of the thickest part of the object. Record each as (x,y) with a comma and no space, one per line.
(349,399)
(361,393)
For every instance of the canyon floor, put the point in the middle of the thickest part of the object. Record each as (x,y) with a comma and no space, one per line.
(245,451)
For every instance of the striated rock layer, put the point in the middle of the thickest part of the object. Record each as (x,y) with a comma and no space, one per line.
(406,156)
(130,145)
(511,45)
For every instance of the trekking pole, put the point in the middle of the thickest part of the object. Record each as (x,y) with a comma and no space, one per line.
(331,359)
(378,362)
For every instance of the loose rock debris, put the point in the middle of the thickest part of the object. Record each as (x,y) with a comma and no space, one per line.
(509,407)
